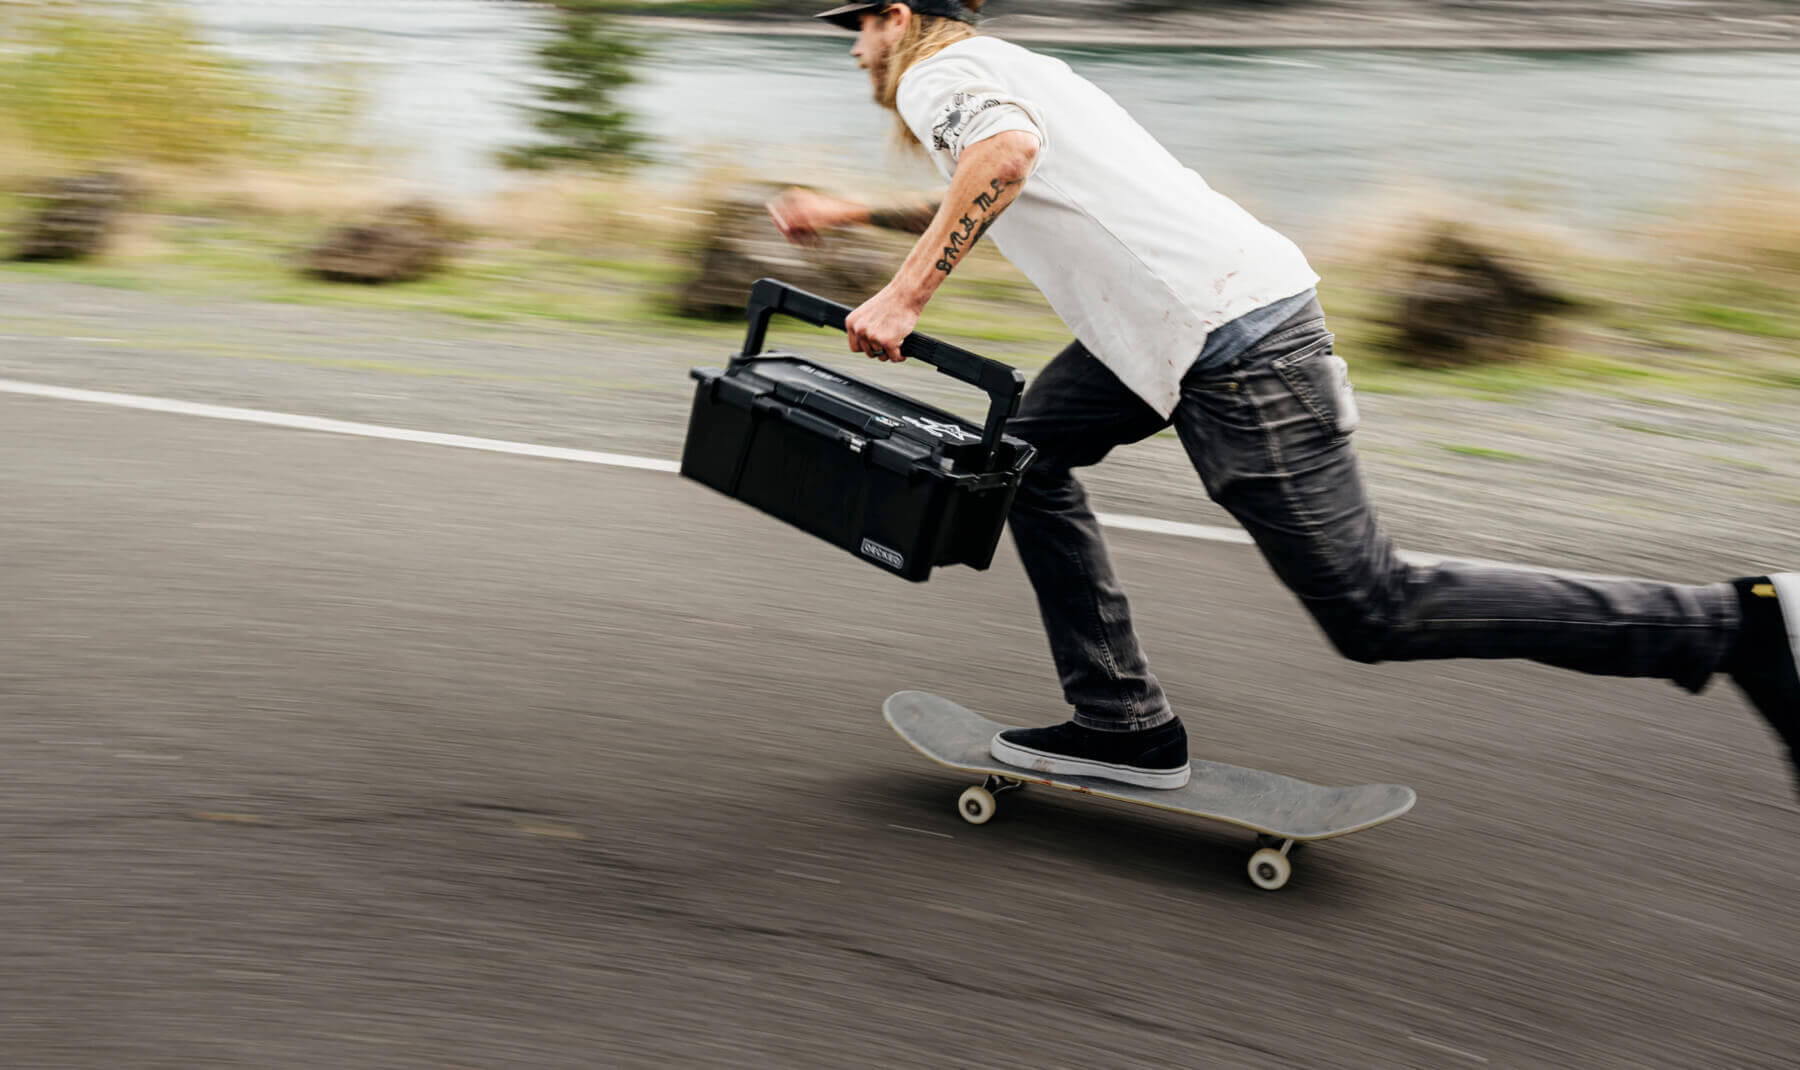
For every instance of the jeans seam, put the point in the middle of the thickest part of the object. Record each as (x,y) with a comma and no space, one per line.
(1302,389)
(1108,658)
(1316,530)
(1288,332)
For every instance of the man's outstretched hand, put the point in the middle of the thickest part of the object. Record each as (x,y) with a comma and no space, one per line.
(801,215)
(879,325)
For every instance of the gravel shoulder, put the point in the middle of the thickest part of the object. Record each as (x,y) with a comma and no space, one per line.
(1680,487)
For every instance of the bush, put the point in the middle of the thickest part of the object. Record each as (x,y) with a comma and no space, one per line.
(589,59)
(126,84)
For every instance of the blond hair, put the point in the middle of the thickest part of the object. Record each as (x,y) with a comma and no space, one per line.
(925,36)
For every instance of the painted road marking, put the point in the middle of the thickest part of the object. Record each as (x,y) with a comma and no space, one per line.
(1119,521)
(335,427)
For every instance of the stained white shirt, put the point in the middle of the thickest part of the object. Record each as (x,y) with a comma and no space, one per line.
(1138,255)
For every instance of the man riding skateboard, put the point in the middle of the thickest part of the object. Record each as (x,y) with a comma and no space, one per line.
(1190,313)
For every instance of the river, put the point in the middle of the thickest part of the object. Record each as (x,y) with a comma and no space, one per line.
(1305,137)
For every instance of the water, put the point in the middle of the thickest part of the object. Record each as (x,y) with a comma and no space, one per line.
(1303,137)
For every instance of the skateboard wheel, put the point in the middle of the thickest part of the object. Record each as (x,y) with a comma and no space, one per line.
(977,805)
(1269,869)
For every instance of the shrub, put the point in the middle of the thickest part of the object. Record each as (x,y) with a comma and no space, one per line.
(134,84)
(589,59)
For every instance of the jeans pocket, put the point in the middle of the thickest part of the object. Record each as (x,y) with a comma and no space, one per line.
(1320,379)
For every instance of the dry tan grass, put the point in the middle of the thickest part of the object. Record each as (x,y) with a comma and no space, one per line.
(323,192)
(21,164)
(137,241)
(596,211)
(1750,225)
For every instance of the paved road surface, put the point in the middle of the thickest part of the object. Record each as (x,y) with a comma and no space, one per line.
(321,751)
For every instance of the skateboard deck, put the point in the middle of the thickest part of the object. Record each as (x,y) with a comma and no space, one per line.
(1282,810)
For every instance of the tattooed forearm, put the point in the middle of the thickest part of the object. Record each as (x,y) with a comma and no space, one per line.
(912,217)
(987,206)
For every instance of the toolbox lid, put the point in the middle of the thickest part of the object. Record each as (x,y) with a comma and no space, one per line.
(864,408)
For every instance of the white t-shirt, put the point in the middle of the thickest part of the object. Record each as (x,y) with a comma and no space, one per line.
(1137,254)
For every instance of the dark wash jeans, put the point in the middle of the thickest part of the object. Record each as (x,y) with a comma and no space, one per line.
(1269,434)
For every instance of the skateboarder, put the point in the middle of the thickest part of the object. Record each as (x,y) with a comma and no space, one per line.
(1189,313)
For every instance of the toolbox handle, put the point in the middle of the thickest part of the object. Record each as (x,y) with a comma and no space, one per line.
(1002,384)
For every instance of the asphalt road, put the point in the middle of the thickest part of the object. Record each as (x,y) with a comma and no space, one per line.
(321,751)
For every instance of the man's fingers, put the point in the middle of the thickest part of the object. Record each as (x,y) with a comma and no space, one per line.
(794,234)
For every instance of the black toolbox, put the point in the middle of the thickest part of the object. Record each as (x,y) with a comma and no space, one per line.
(896,482)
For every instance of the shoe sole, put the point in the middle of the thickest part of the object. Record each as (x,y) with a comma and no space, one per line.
(1787,596)
(1025,758)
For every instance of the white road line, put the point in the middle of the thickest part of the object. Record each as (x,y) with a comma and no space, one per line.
(1154,526)
(1119,521)
(335,427)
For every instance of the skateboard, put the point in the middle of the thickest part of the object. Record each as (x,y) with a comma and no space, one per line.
(1282,811)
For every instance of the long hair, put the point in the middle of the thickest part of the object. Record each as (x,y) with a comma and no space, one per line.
(925,36)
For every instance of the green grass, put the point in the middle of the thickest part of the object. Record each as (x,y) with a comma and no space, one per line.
(141,84)
(1740,463)
(1485,453)
(1648,429)
(1742,320)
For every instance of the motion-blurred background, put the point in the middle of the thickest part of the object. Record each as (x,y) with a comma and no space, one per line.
(317,750)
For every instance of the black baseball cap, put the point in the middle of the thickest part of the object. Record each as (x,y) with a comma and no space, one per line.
(850,15)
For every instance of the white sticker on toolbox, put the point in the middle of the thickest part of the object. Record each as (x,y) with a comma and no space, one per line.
(942,430)
(883,554)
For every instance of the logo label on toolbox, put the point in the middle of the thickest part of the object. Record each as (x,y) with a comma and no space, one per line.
(883,554)
(943,430)
(822,374)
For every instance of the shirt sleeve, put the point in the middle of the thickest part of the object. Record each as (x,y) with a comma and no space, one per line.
(951,104)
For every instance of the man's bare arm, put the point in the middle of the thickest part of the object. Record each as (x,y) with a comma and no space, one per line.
(988,178)
(911,216)
(802,215)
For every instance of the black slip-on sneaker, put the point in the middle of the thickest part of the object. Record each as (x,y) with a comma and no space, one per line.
(1765,663)
(1153,758)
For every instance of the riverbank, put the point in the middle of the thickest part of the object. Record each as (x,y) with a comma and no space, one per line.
(1386,27)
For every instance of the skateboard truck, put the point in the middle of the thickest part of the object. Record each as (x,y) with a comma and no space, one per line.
(1269,866)
(977,805)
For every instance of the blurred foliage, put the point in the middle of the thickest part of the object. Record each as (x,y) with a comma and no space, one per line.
(589,59)
(91,83)
(137,84)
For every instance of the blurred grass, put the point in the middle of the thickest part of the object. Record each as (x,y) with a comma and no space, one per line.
(1486,453)
(129,85)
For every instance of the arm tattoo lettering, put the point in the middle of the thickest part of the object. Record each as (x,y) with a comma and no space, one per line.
(971,228)
(913,217)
